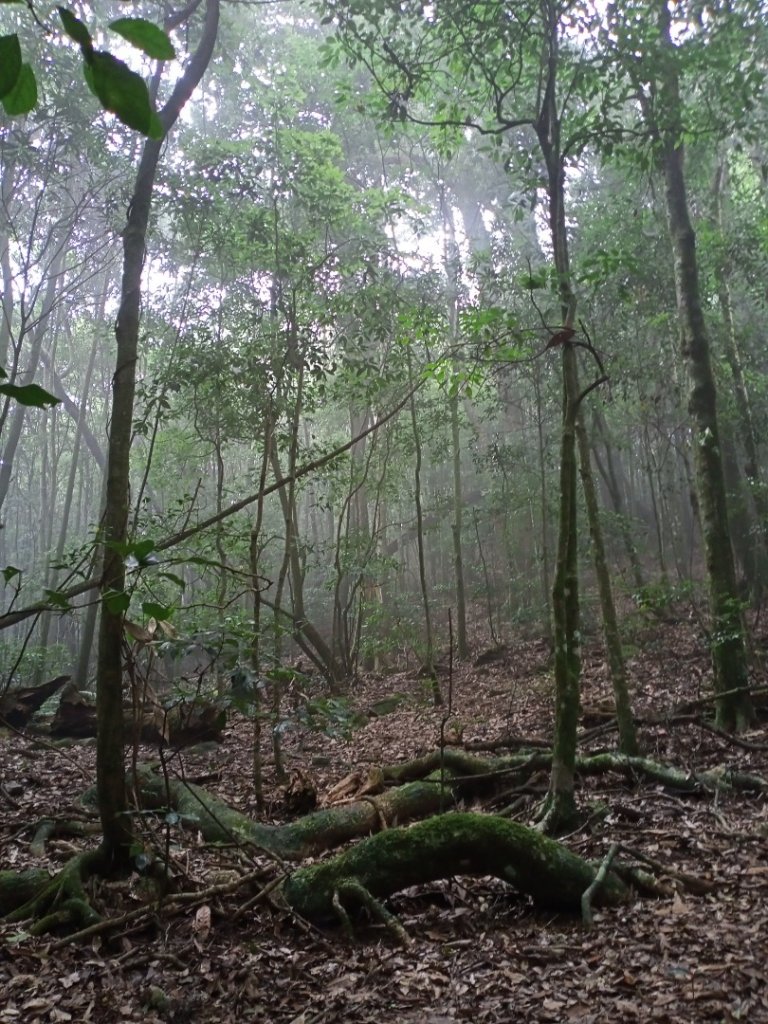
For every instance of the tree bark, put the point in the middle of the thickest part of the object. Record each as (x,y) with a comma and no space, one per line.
(110,771)
(729,659)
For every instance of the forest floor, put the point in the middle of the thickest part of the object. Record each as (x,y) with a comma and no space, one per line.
(479,951)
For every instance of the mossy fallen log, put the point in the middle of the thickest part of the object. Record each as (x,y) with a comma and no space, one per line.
(443,846)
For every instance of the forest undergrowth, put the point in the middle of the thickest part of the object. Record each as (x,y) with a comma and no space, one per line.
(478,951)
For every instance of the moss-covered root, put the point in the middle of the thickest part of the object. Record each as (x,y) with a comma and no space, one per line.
(452,844)
(312,834)
(58,902)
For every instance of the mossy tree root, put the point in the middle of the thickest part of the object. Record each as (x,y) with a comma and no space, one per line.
(312,834)
(450,844)
(50,903)
(467,766)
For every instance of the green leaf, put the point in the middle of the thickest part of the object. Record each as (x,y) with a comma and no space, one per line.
(29,394)
(122,92)
(9,572)
(57,599)
(117,601)
(10,63)
(23,97)
(153,610)
(75,28)
(142,548)
(136,549)
(145,36)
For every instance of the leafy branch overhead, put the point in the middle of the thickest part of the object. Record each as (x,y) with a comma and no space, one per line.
(118,89)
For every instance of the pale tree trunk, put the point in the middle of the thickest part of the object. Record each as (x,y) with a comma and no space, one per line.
(66,512)
(429,642)
(110,770)
(729,656)
(254,552)
(462,643)
(452,265)
(6,296)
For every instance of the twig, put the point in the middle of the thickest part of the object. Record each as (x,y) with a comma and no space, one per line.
(594,887)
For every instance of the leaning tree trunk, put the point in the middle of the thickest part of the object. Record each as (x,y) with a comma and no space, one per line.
(110,768)
(729,657)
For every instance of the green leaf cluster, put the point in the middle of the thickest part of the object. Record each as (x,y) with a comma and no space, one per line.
(119,90)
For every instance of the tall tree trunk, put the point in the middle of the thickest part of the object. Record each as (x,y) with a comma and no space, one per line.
(729,657)
(66,512)
(560,807)
(612,638)
(462,643)
(110,767)
(452,265)
(544,511)
(429,642)
(748,435)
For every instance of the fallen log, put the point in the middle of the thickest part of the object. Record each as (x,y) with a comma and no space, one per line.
(18,706)
(185,723)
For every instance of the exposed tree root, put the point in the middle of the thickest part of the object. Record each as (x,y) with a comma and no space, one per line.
(50,903)
(48,828)
(312,834)
(442,846)
(465,766)
(393,858)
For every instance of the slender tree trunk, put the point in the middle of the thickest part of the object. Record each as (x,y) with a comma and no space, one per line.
(544,512)
(612,638)
(429,656)
(110,770)
(73,468)
(462,643)
(560,807)
(729,657)
(452,264)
